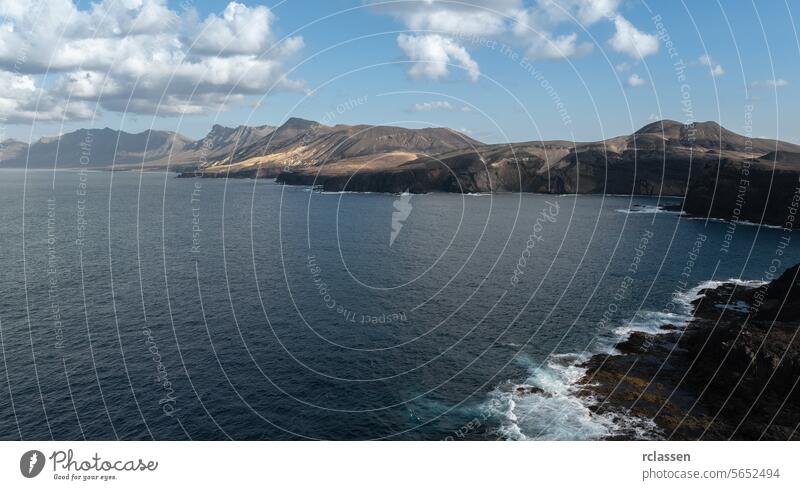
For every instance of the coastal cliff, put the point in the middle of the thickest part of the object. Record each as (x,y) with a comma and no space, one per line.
(764,190)
(722,175)
(731,373)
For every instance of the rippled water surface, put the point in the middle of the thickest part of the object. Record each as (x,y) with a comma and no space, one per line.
(139,305)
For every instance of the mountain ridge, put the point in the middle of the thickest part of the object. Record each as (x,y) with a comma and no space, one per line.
(703,162)
(94,148)
(307,142)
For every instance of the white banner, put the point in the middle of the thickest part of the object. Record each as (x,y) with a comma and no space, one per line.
(399,465)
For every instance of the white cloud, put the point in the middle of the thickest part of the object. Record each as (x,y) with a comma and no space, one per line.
(714,68)
(140,56)
(772,83)
(440,28)
(635,81)
(631,41)
(433,54)
(586,12)
(22,100)
(438,105)
(466,17)
(535,27)
(240,30)
(591,11)
(455,21)
(565,46)
(622,67)
(449,27)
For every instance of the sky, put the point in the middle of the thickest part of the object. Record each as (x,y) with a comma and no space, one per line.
(501,70)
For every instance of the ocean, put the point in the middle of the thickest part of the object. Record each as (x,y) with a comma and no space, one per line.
(144,306)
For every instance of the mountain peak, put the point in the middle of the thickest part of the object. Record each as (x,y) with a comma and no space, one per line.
(298,123)
(663,126)
(668,125)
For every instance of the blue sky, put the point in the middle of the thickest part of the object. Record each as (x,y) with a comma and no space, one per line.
(517,71)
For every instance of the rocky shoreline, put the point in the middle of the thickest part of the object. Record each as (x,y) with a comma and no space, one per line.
(731,373)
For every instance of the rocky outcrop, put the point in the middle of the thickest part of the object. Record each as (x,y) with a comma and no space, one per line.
(732,373)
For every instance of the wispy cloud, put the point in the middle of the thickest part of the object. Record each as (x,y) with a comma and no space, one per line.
(438,105)
(714,68)
(771,83)
(635,81)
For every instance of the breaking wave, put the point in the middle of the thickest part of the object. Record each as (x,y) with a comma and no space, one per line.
(549,405)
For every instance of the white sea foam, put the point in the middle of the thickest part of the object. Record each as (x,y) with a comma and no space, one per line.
(317,191)
(651,322)
(548,406)
(649,210)
(688,297)
(556,412)
(740,222)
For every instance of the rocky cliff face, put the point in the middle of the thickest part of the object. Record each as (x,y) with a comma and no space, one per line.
(731,373)
(762,190)
(647,162)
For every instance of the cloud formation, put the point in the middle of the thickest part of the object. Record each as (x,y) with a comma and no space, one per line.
(138,56)
(546,29)
(433,54)
(537,26)
(631,41)
(22,101)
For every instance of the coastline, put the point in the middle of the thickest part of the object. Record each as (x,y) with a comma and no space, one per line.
(726,374)
(687,208)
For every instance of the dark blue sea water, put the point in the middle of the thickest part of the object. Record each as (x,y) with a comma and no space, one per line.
(140,305)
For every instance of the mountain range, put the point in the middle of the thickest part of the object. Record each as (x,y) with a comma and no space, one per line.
(92,147)
(720,173)
(236,152)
